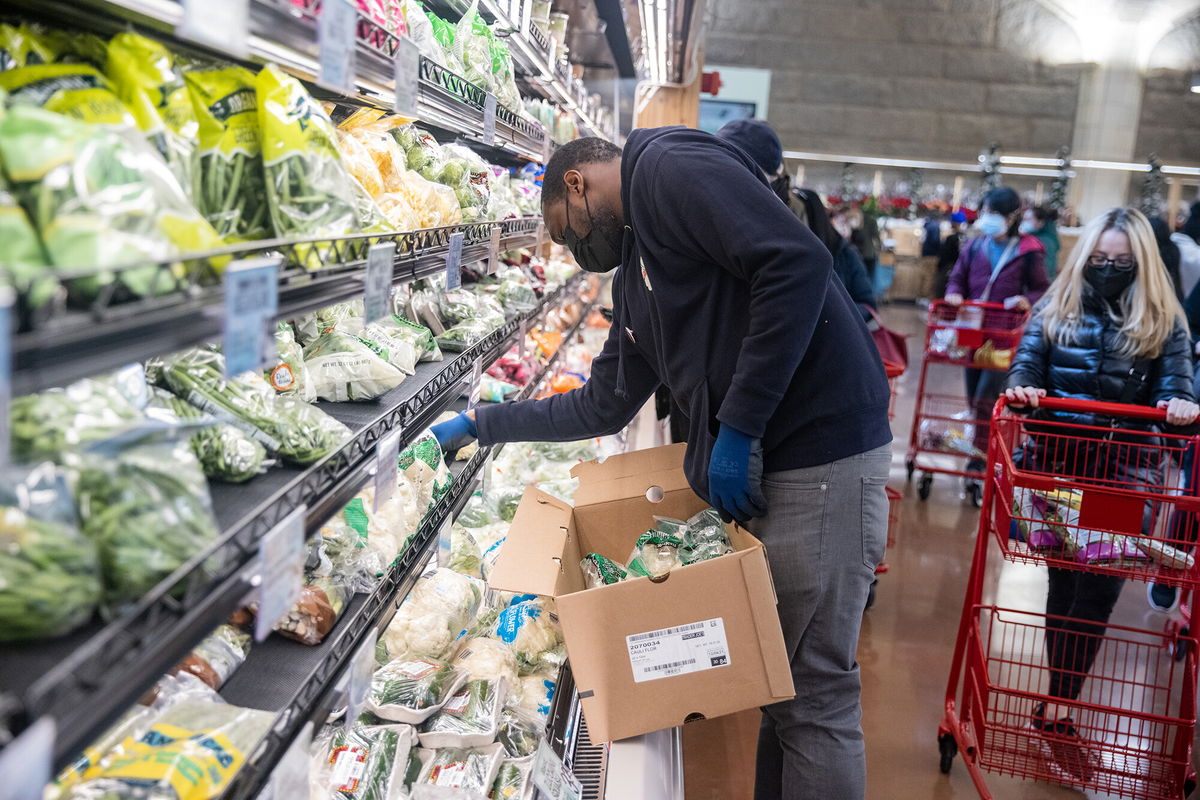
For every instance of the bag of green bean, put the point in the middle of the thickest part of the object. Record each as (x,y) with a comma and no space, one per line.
(230,189)
(49,571)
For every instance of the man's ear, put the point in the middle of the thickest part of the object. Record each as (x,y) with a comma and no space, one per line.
(574,181)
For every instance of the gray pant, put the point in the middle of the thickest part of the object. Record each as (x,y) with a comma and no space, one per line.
(825,531)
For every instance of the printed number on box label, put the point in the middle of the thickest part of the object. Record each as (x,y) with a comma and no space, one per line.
(678,651)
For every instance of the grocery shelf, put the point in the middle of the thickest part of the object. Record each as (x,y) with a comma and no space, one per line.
(87,679)
(74,344)
(285,33)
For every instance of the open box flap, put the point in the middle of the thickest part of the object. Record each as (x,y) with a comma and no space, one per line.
(630,475)
(537,546)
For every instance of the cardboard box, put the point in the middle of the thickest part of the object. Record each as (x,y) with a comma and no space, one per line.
(727,607)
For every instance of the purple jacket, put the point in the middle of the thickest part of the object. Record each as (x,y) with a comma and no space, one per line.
(1023,274)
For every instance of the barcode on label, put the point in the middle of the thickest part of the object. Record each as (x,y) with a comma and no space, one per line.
(641,637)
(672,665)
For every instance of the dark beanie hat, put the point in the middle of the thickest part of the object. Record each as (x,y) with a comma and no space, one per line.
(756,138)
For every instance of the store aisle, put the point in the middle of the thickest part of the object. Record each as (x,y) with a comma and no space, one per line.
(908,636)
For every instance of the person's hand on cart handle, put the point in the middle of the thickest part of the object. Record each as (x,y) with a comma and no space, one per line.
(1180,411)
(954,299)
(1018,301)
(1021,396)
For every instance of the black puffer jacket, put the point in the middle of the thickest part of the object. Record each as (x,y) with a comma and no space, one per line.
(1088,367)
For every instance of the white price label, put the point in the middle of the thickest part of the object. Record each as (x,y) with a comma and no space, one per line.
(362,668)
(552,777)
(387,454)
(494,251)
(454,261)
(337,35)
(378,290)
(251,300)
(281,557)
(290,776)
(219,24)
(678,651)
(6,326)
(408,77)
(25,761)
(476,384)
(489,119)
(522,336)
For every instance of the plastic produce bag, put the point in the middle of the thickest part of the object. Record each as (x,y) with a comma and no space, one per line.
(423,339)
(520,731)
(344,367)
(704,537)
(536,695)
(144,75)
(460,337)
(469,718)
(465,556)
(434,615)
(482,658)
(422,464)
(600,571)
(514,781)
(297,431)
(367,762)
(473,48)
(398,340)
(290,375)
(24,46)
(217,656)
(23,262)
(420,30)
(49,424)
(412,690)
(474,769)
(225,452)
(75,90)
(143,500)
(231,191)
(191,752)
(99,201)
(955,435)
(49,571)
(315,611)
(468,174)
(655,554)
(530,629)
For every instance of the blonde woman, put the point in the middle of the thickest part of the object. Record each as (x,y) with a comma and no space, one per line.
(1109,328)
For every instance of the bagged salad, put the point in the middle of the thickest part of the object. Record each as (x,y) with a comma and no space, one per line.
(301,433)
(49,571)
(343,367)
(402,342)
(231,191)
(23,262)
(226,453)
(422,464)
(412,690)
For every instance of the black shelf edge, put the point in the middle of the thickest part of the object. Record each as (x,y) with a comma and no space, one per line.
(78,344)
(87,679)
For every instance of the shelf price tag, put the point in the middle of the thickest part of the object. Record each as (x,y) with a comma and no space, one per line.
(337,34)
(408,77)
(476,384)
(454,261)
(251,300)
(25,761)
(552,777)
(387,457)
(219,24)
(489,119)
(494,251)
(281,556)
(362,669)
(378,293)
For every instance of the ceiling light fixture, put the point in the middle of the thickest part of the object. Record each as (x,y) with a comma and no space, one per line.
(1196,82)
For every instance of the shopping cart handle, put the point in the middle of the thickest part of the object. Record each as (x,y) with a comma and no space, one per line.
(1097,407)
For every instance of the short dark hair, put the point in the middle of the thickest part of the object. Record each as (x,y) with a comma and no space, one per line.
(1002,200)
(1045,214)
(573,155)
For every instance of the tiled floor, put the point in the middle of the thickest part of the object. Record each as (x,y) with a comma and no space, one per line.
(909,635)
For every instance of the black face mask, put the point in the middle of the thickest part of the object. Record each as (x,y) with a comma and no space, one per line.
(600,250)
(1108,281)
(782,187)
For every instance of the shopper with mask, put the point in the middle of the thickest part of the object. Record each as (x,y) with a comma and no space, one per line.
(1000,266)
(758,140)
(1110,328)
(729,300)
(1042,222)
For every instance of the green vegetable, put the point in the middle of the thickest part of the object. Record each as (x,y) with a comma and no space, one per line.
(75,90)
(375,748)
(55,422)
(416,685)
(300,433)
(513,781)
(600,571)
(519,733)
(463,335)
(344,367)
(23,260)
(705,538)
(472,769)
(49,572)
(225,453)
(471,715)
(507,503)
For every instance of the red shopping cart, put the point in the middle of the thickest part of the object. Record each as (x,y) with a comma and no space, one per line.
(894,371)
(1102,498)
(946,429)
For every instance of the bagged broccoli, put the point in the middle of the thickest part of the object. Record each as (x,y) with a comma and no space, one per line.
(474,769)
(600,571)
(231,191)
(398,342)
(514,781)
(366,762)
(290,375)
(469,718)
(468,174)
(412,690)
(225,452)
(49,571)
(530,629)
(655,554)
(345,367)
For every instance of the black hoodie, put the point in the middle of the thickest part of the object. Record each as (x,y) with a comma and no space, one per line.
(729,300)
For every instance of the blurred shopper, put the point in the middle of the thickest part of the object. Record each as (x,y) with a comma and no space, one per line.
(1000,266)
(1169,252)
(1109,329)
(832,230)
(1042,222)
(725,297)
(864,235)
(949,252)
(931,243)
(1187,239)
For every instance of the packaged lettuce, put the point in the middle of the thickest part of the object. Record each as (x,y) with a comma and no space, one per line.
(230,191)
(74,90)
(460,337)
(366,762)
(311,193)
(49,571)
(225,452)
(514,781)
(412,690)
(145,78)
(99,201)
(473,48)
(345,367)
(600,571)
(422,337)
(399,343)
(655,554)
(470,717)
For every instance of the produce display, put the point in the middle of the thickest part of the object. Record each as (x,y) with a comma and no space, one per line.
(669,545)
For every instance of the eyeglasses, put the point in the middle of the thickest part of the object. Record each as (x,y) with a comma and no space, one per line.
(1123,263)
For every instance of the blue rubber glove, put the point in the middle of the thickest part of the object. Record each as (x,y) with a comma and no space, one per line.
(455,434)
(735,476)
